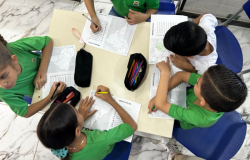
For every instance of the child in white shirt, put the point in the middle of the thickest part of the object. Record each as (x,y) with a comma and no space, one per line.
(194,44)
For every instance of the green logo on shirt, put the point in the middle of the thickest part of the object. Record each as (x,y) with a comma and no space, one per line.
(33,60)
(136,3)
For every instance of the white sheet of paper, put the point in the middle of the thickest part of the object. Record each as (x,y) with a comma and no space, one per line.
(176,96)
(159,26)
(106,117)
(116,34)
(61,67)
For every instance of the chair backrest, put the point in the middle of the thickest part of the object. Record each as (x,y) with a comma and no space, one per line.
(228,49)
(166,8)
(246,8)
(218,142)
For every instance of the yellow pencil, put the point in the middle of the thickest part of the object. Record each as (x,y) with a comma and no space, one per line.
(102,92)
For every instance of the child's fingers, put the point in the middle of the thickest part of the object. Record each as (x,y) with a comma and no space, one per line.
(85,101)
(91,113)
(90,104)
(167,60)
(89,101)
(128,20)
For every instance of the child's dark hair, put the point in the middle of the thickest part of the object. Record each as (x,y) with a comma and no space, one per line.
(56,129)
(222,89)
(5,56)
(185,39)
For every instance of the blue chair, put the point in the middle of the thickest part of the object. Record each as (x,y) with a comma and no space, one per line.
(218,142)
(166,7)
(228,48)
(120,152)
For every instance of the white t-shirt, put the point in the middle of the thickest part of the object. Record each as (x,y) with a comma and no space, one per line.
(201,63)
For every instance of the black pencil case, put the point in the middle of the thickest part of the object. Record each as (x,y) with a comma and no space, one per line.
(128,81)
(62,96)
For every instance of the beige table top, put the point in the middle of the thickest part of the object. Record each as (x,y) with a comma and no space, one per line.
(109,69)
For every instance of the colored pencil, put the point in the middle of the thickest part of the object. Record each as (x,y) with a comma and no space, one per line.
(131,67)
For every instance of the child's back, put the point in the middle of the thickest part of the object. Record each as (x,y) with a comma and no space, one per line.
(218,90)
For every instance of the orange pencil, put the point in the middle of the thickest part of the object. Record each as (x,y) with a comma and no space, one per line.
(131,67)
(71,96)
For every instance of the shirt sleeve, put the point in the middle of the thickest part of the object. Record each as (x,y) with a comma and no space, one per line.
(17,104)
(119,133)
(193,78)
(183,114)
(35,43)
(208,22)
(152,4)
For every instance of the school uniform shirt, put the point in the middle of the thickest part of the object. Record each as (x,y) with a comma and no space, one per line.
(30,62)
(193,116)
(201,63)
(122,6)
(101,143)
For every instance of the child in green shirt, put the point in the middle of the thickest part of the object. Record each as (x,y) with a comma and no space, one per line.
(131,10)
(60,129)
(22,70)
(218,90)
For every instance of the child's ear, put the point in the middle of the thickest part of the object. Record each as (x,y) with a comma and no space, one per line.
(14,59)
(78,131)
(202,101)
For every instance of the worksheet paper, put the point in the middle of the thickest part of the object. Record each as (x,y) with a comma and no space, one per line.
(106,116)
(61,67)
(116,34)
(176,96)
(159,26)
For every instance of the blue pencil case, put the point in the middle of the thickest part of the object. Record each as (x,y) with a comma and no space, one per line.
(136,69)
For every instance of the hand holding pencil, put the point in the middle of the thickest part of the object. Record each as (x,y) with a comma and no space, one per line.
(56,89)
(95,24)
(103,93)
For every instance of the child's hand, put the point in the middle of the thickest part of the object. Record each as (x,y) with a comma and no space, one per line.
(135,17)
(93,27)
(60,88)
(85,106)
(182,63)
(151,105)
(40,80)
(164,66)
(105,97)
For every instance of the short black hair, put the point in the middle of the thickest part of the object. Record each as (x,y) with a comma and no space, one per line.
(222,89)
(185,39)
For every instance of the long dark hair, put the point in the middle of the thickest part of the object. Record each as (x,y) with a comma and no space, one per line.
(222,89)
(5,55)
(57,126)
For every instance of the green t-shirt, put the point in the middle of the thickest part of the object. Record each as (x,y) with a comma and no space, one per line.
(122,6)
(101,143)
(30,63)
(193,116)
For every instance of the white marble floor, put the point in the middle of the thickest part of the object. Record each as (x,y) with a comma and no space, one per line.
(18,138)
